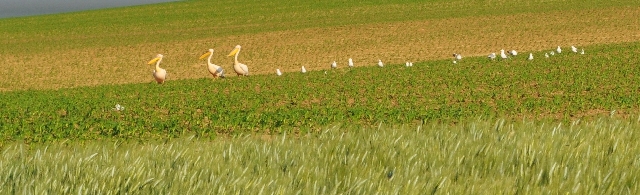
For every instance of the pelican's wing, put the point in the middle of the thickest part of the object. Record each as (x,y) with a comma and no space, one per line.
(245,69)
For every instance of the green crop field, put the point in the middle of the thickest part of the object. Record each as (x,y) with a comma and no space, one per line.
(559,124)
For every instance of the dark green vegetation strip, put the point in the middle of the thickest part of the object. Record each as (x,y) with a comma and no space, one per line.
(565,86)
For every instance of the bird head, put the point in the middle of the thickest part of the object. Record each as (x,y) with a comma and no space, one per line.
(234,51)
(206,54)
(154,60)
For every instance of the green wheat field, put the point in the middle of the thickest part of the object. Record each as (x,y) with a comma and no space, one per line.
(81,113)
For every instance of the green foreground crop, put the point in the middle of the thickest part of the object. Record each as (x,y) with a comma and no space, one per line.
(477,157)
(566,86)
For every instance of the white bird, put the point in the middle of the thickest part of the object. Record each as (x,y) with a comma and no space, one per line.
(159,74)
(530,56)
(559,50)
(455,62)
(546,55)
(552,53)
(350,63)
(215,70)
(457,56)
(380,63)
(278,72)
(514,53)
(118,107)
(410,63)
(492,56)
(406,64)
(303,70)
(582,51)
(574,49)
(240,68)
(502,55)
(334,65)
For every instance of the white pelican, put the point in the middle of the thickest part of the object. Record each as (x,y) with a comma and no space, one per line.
(240,68)
(574,49)
(502,55)
(380,63)
(406,64)
(546,55)
(582,51)
(304,70)
(350,63)
(410,63)
(514,53)
(492,56)
(278,72)
(559,50)
(215,70)
(457,56)
(334,65)
(159,74)
(530,56)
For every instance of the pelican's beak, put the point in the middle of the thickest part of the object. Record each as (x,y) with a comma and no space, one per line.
(233,52)
(153,61)
(205,55)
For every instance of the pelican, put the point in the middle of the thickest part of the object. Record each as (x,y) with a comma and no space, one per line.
(278,72)
(530,56)
(574,49)
(514,53)
(215,70)
(559,50)
(502,55)
(457,56)
(582,51)
(546,55)
(406,64)
(159,74)
(304,70)
(410,64)
(492,56)
(334,65)
(380,63)
(240,68)
(350,63)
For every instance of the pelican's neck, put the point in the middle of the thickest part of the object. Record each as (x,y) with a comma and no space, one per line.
(209,59)
(158,65)
(236,57)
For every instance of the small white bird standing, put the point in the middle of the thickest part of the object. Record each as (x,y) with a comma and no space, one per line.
(278,72)
(552,53)
(303,70)
(492,56)
(514,53)
(559,50)
(159,74)
(457,56)
(410,64)
(455,62)
(334,65)
(380,63)
(502,54)
(530,56)
(582,51)
(406,64)
(574,49)
(350,63)
(546,55)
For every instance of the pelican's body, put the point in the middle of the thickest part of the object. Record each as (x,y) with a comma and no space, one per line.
(240,68)
(559,50)
(514,53)
(574,49)
(304,70)
(530,56)
(502,54)
(380,63)
(334,64)
(215,70)
(159,74)
(350,63)
(492,56)
(278,72)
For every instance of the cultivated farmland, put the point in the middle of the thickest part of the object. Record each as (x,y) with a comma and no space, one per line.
(81,113)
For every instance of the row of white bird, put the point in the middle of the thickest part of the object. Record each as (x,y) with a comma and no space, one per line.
(241,69)
(216,71)
(503,55)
